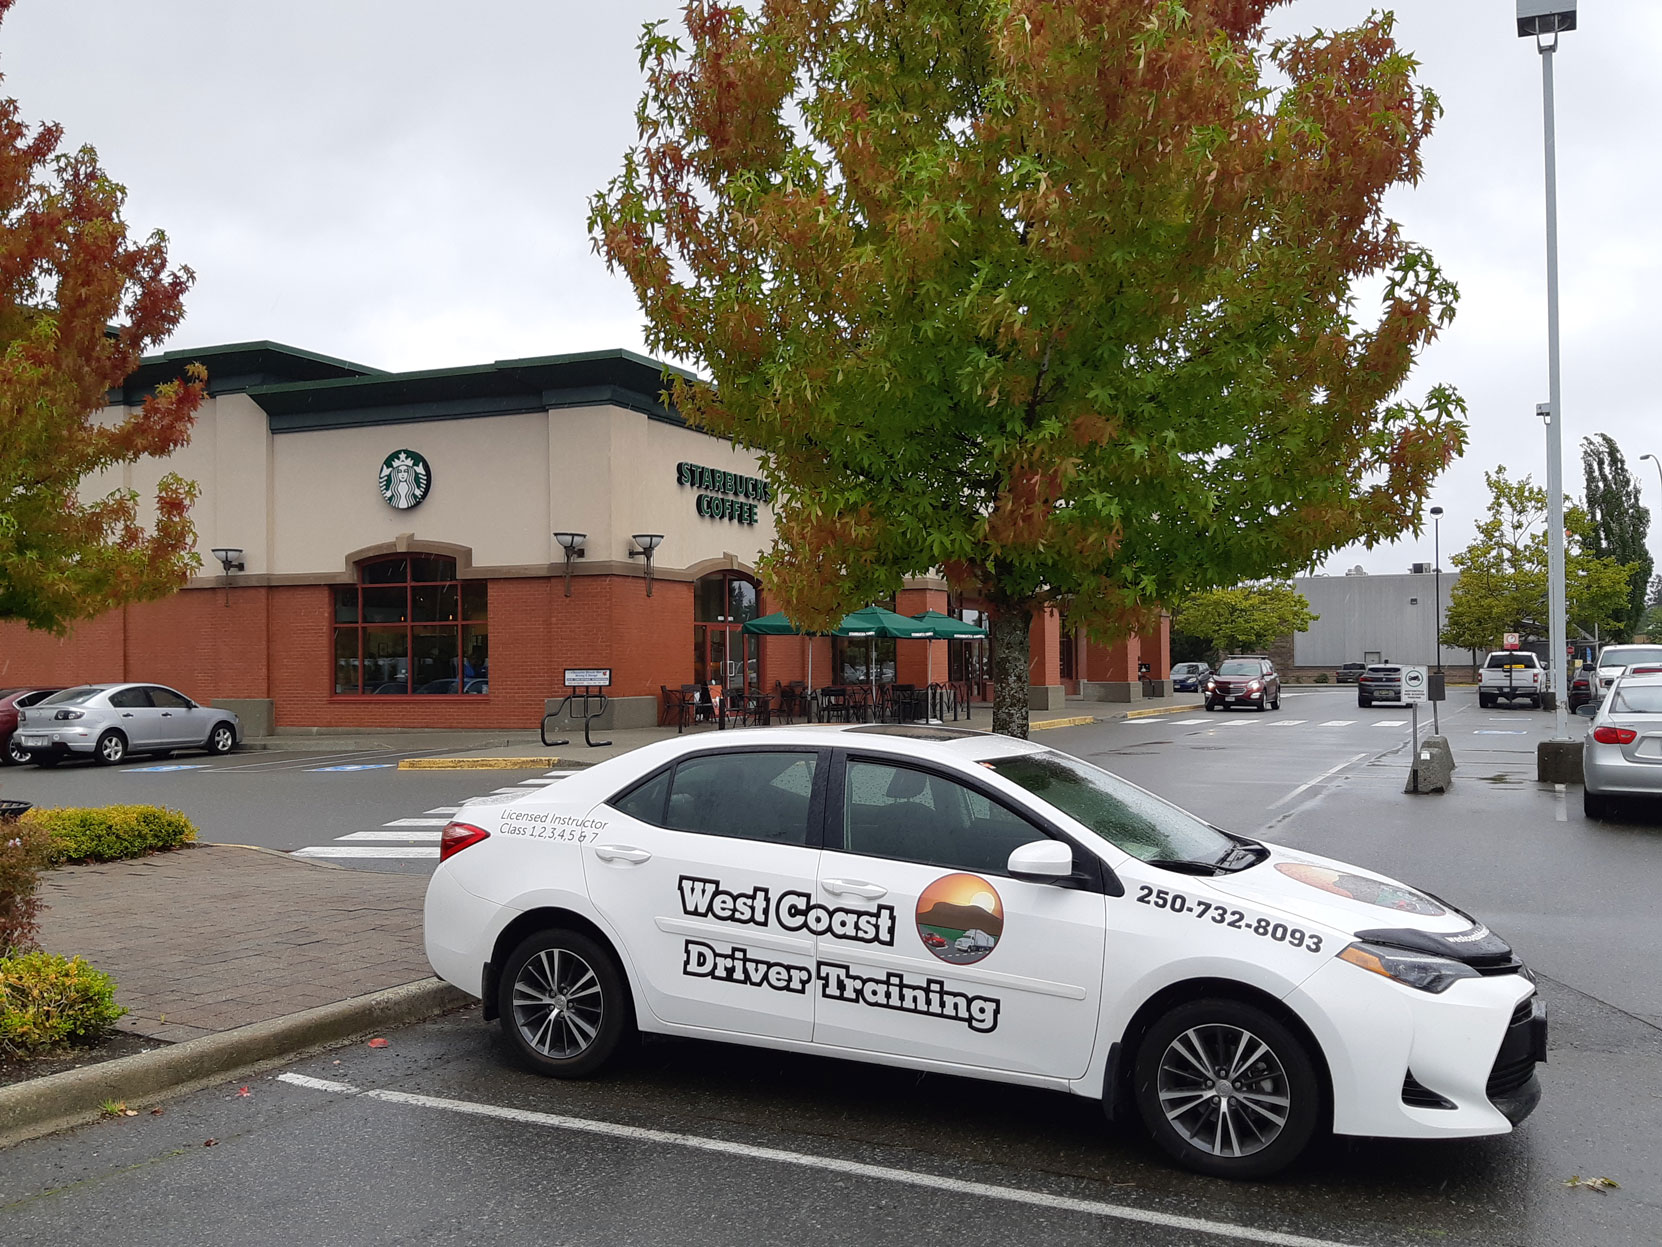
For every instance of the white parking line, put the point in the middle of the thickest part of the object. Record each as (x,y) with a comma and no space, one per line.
(399,836)
(364,850)
(417,822)
(1331,771)
(830,1164)
(1338,722)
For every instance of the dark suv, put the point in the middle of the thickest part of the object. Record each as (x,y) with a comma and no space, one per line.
(1244,680)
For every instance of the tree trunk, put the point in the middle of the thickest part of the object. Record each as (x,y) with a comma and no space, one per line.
(1011,655)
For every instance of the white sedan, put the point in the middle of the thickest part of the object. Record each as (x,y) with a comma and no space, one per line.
(956,901)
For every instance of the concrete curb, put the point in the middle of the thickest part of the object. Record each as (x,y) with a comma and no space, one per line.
(478,764)
(1149,714)
(45,1105)
(1035,725)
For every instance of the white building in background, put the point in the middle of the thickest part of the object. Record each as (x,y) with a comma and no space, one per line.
(1375,619)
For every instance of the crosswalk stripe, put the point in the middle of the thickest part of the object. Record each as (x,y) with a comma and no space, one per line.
(1184,722)
(1288,722)
(399,836)
(1338,723)
(543,782)
(444,809)
(417,822)
(1391,723)
(366,850)
(516,791)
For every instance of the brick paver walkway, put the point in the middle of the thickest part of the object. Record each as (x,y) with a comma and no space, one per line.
(214,937)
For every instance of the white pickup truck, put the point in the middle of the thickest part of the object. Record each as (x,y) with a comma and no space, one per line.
(1510,675)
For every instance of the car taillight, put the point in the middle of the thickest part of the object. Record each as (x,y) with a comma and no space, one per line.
(457,836)
(1644,671)
(1614,735)
(69,714)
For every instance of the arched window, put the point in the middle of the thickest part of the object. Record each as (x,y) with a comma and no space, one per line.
(410,626)
(722,603)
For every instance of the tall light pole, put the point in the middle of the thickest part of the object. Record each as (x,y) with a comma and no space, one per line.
(1437,618)
(1545,20)
(1657,463)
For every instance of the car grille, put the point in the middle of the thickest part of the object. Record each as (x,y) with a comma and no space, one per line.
(1513,1069)
(1507,1078)
(1416,1094)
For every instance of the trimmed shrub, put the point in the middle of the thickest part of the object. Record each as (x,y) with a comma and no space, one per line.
(46,1000)
(1321,677)
(108,833)
(23,851)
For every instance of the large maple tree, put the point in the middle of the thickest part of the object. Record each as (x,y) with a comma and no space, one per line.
(1058,296)
(80,302)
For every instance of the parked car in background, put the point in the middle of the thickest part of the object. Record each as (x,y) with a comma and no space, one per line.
(1244,680)
(1581,686)
(1382,681)
(1511,675)
(1622,753)
(107,722)
(11,701)
(1187,677)
(1615,659)
(1350,673)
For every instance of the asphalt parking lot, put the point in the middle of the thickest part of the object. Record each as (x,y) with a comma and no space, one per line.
(437,1136)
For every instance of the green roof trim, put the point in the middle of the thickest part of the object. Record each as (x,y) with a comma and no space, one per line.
(234,367)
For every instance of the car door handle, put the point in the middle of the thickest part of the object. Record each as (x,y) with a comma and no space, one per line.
(621,853)
(848,887)
(126,714)
(167,714)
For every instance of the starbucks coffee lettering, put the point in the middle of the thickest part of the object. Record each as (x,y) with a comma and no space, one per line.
(724,495)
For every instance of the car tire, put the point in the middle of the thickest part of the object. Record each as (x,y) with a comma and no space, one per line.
(1209,706)
(110,749)
(1595,806)
(1484,701)
(1276,704)
(1364,703)
(15,754)
(561,1041)
(222,739)
(1202,1134)
(1535,703)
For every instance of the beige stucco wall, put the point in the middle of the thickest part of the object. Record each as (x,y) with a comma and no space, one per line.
(298,503)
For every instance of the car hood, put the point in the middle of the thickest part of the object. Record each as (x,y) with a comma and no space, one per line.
(1370,906)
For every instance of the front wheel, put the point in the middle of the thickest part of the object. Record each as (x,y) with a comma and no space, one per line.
(1276,704)
(563,1003)
(1209,706)
(111,748)
(222,739)
(1227,1090)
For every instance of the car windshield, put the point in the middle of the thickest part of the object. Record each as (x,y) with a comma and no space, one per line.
(1241,666)
(1498,662)
(1122,814)
(1637,699)
(1630,655)
(72,696)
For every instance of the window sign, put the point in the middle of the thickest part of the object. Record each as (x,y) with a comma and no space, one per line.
(724,495)
(405,479)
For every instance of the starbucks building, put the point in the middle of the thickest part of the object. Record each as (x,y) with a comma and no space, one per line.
(437,549)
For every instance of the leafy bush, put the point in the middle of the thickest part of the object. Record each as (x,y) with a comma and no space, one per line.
(23,851)
(110,832)
(46,1000)
(1321,677)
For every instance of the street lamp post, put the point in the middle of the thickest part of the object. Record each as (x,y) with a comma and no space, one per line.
(1657,464)
(1545,20)
(1437,617)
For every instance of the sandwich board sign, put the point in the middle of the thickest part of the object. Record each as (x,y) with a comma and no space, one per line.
(1414,685)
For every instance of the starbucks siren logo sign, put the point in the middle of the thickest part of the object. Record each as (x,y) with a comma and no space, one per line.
(405,479)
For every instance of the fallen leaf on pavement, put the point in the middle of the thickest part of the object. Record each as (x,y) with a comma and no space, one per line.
(129,1112)
(1601,1185)
(244,1091)
(210,1143)
(155,1112)
(378,1043)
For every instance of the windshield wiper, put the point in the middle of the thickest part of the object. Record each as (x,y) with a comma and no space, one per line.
(1184,865)
(1242,856)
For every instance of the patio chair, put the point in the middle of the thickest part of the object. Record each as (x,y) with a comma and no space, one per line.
(677,708)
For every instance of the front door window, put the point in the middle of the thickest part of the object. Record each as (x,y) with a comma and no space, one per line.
(722,654)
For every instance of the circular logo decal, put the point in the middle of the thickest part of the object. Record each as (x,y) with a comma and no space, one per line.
(405,479)
(960,918)
(1362,888)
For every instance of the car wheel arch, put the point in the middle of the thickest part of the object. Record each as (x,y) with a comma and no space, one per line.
(1118,1092)
(547,918)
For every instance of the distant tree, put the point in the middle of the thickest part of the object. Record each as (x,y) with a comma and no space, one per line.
(1618,524)
(1055,295)
(79,304)
(1503,572)
(1246,617)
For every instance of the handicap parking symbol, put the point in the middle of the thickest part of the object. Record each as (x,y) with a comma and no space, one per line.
(177,766)
(356,766)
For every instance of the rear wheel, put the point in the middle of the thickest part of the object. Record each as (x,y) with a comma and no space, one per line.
(563,1003)
(111,748)
(1595,806)
(1227,1090)
(1484,701)
(16,754)
(1364,703)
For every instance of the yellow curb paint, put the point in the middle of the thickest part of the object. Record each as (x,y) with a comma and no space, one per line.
(1147,714)
(1079,721)
(475,764)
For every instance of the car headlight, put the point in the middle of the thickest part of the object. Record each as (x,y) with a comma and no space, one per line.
(1417,970)
(1255,686)
(1211,684)
(69,714)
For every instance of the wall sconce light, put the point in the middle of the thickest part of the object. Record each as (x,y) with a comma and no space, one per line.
(646,544)
(572,544)
(230,558)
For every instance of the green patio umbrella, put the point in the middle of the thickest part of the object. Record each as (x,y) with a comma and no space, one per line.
(872,622)
(777,625)
(946,628)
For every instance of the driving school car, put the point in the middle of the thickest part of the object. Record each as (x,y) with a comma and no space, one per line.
(939,899)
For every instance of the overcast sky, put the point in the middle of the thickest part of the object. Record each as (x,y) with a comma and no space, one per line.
(404,184)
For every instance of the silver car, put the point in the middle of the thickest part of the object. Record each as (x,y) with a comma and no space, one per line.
(109,721)
(1622,754)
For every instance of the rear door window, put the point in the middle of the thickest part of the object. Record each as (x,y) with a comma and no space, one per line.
(130,698)
(746,796)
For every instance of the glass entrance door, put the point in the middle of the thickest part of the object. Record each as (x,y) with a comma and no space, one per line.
(722,653)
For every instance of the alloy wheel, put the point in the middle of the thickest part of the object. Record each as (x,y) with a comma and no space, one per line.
(1223,1090)
(558,1004)
(222,739)
(111,748)
(16,754)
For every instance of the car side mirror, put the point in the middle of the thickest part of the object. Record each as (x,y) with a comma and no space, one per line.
(1042,861)
(1587,709)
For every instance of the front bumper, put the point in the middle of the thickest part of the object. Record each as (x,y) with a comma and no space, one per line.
(1607,771)
(1417,1065)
